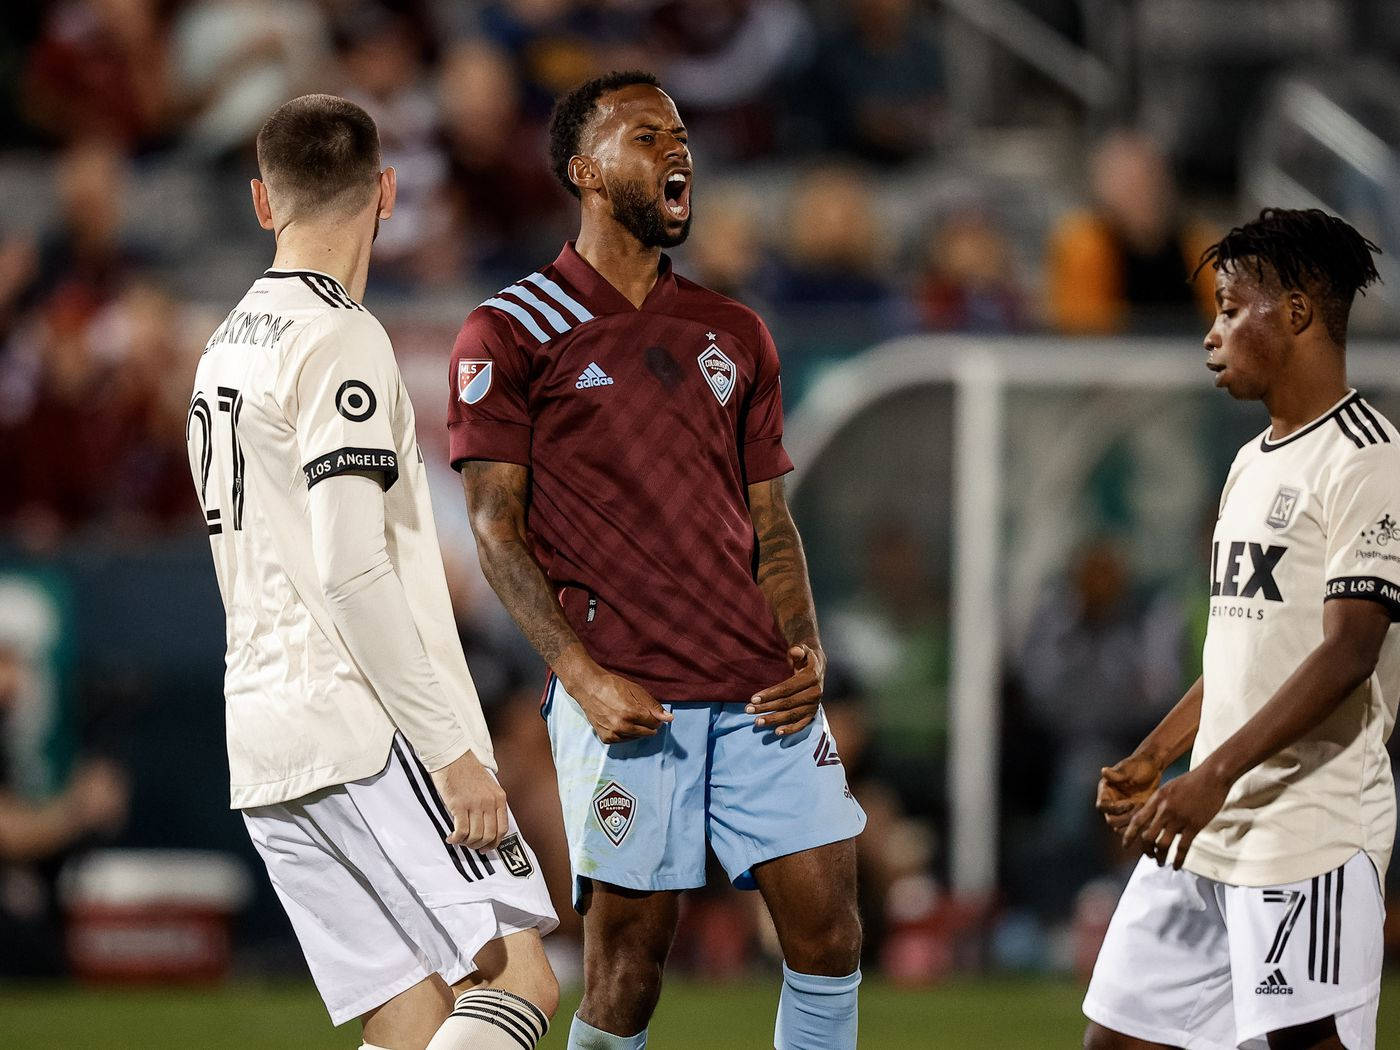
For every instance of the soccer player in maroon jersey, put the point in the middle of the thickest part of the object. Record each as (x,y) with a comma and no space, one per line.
(619,433)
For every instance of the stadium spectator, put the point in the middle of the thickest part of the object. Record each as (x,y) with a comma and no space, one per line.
(726,60)
(1126,262)
(99,67)
(969,281)
(39,822)
(833,250)
(383,60)
(726,251)
(235,60)
(507,207)
(1100,665)
(875,88)
(892,635)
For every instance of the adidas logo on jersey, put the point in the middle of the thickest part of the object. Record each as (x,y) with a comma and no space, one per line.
(1274,984)
(593,376)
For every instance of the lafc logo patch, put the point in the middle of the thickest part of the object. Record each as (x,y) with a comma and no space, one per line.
(1281,512)
(514,857)
(473,380)
(614,807)
(718,370)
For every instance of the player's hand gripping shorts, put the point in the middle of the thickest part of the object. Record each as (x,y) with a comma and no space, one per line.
(378,899)
(638,814)
(1207,966)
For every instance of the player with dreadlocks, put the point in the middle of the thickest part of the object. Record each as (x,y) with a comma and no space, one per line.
(1255,917)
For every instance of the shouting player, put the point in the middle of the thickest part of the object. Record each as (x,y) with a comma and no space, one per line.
(1262,926)
(356,743)
(619,433)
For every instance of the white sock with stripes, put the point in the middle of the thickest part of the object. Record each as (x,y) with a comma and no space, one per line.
(491,1019)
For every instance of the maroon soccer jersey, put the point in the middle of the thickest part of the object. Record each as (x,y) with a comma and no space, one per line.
(642,429)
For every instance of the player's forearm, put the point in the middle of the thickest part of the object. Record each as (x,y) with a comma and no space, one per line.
(367,601)
(782,568)
(1176,732)
(1316,689)
(496,503)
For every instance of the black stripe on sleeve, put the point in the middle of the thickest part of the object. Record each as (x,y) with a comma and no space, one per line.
(1376,424)
(1360,424)
(380,461)
(1371,588)
(1347,431)
(306,280)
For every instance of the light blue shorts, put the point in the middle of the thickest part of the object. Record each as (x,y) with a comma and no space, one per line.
(638,814)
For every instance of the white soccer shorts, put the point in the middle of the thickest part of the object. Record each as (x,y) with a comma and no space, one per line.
(1203,965)
(378,899)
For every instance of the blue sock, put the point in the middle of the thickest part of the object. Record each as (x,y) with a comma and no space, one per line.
(583,1036)
(816,1013)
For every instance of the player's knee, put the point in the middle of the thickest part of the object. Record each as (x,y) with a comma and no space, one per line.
(541,987)
(830,950)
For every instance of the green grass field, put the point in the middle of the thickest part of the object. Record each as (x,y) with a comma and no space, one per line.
(985,1015)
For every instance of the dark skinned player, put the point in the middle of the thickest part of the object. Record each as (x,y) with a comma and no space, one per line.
(619,433)
(1254,919)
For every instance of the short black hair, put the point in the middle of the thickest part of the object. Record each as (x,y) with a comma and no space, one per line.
(1307,250)
(314,150)
(574,110)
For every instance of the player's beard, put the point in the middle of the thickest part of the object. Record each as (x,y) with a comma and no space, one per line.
(640,214)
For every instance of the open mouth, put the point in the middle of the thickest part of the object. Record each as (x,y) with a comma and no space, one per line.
(676,195)
(1215,366)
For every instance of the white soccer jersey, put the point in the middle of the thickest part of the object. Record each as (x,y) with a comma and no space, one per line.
(297,385)
(1308,518)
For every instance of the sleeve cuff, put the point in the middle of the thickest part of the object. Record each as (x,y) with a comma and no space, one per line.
(765,459)
(1371,588)
(381,461)
(488,439)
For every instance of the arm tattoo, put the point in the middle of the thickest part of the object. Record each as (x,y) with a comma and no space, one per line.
(782,566)
(496,495)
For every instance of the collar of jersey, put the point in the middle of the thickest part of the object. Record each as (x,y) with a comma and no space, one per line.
(1268,446)
(273,272)
(597,292)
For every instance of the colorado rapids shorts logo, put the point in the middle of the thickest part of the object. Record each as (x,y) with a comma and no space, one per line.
(718,370)
(614,807)
(514,857)
(473,380)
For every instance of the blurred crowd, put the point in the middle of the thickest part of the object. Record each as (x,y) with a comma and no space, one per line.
(820,132)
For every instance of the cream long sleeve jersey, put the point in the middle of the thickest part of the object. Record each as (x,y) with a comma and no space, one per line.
(339,625)
(1303,520)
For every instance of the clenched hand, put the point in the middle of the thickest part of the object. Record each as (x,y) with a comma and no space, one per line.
(476,802)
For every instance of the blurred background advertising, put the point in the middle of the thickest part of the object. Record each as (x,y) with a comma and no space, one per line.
(971,226)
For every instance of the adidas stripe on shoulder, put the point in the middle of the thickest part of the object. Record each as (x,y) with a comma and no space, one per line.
(544,309)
